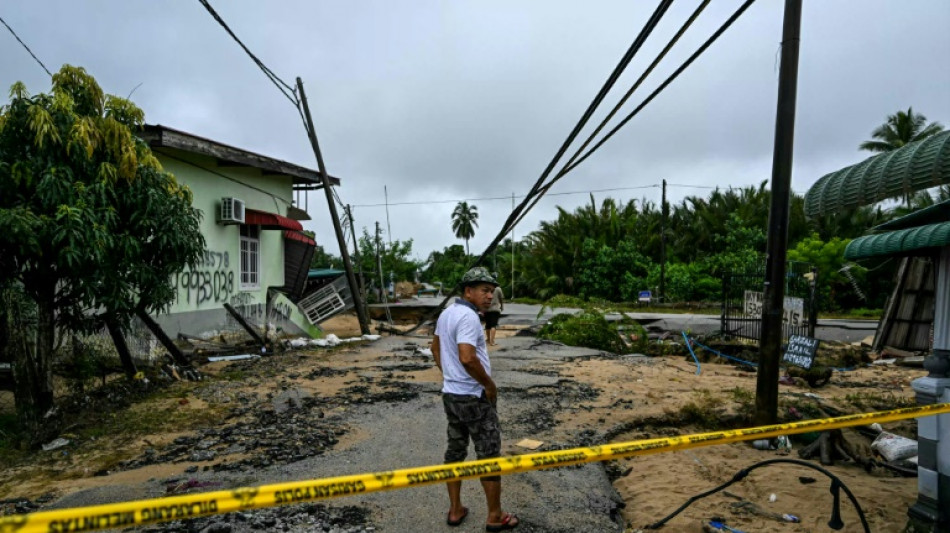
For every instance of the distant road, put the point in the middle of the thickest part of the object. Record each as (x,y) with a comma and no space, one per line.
(841,330)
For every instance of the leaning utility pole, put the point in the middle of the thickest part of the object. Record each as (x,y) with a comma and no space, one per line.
(766,391)
(356,253)
(344,253)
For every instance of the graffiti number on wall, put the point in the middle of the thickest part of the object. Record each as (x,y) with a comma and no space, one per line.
(211,281)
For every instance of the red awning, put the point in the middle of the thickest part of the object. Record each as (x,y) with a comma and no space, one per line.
(267,220)
(297,236)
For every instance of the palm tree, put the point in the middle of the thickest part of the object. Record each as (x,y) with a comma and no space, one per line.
(464,222)
(899,129)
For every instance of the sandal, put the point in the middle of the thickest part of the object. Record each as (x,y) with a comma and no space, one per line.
(505,524)
(455,523)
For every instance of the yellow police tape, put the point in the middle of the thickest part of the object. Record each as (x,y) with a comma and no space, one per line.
(225,501)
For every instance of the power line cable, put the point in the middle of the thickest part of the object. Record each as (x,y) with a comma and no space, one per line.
(635,46)
(516,213)
(646,73)
(571,166)
(219,174)
(672,42)
(735,16)
(286,89)
(17,37)
(506,198)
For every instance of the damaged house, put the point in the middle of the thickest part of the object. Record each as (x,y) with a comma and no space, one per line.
(257,256)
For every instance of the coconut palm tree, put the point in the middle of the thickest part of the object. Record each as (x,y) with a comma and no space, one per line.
(464,222)
(899,129)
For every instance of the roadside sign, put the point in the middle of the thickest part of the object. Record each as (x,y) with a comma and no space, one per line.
(801,351)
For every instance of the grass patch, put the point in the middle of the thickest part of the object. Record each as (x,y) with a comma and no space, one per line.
(879,401)
(704,411)
(854,314)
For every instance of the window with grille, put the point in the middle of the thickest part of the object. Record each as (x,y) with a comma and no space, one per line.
(250,257)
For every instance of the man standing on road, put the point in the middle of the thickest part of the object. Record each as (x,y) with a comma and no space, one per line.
(494,312)
(469,394)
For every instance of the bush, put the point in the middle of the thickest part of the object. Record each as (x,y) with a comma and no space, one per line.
(564,300)
(590,330)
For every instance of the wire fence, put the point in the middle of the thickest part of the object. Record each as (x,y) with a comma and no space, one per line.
(82,362)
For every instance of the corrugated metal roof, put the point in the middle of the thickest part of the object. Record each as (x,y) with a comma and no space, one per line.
(318,273)
(917,166)
(929,215)
(900,242)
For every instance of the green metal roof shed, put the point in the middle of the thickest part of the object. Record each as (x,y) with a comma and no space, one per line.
(917,166)
(922,232)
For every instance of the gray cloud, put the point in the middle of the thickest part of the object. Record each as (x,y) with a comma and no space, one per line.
(449,100)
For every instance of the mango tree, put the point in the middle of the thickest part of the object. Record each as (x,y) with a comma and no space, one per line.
(91,228)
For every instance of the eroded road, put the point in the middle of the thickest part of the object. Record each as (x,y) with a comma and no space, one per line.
(377,408)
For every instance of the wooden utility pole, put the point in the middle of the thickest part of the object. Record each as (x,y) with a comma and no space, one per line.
(766,391)
(664,213)
(384,297)
(341,241)
(356,253)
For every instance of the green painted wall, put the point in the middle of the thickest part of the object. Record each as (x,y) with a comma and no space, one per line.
(204,290)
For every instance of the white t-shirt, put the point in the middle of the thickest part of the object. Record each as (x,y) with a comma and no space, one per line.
(459,324)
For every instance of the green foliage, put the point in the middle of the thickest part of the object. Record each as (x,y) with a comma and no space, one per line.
(324,259)
(88,219)
(447,266)
(607,271)
(394,257)
(828,257)
(899,129)
(687,282)
(587,329)
(87,215)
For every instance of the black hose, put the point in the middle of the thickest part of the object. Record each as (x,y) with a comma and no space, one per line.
(836,483)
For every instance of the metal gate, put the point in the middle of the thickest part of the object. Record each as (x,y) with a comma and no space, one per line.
(742,301)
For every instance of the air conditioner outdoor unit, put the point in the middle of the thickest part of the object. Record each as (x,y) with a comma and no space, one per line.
(232,211)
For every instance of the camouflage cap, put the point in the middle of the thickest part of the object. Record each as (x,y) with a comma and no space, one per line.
(478,275)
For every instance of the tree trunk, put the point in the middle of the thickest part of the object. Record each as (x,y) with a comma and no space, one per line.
(121,347)
(32,369)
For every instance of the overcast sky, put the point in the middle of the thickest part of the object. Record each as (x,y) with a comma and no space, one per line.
(448,100)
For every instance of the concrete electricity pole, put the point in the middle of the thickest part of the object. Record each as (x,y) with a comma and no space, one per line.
(766,391)
(344,253)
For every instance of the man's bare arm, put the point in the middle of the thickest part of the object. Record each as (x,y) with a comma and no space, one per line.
(437,351)
(473,366)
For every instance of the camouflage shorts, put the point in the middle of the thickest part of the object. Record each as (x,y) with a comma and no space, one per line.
(471,418)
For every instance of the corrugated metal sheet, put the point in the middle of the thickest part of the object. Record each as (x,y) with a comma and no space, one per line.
(908,319)
(922,240)
(939,212)
(297,256)
(914,167)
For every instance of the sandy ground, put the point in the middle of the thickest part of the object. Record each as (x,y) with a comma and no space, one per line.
(658,484)
(638,398)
